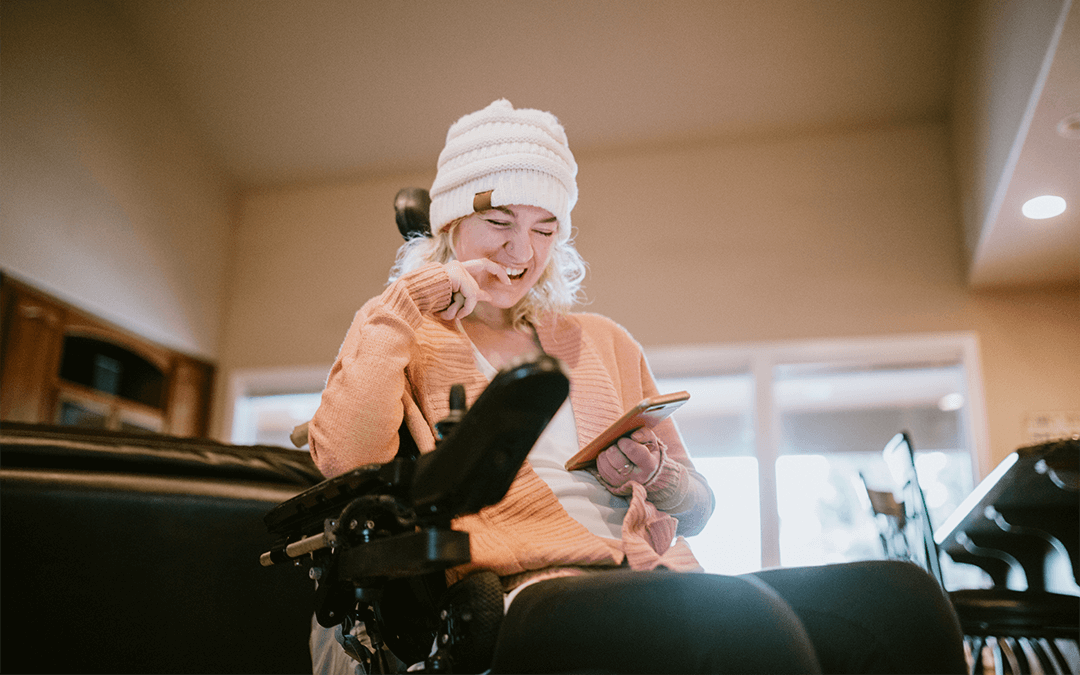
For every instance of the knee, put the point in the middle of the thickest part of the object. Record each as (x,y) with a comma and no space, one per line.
(895,580)
(686,622)
(887,591)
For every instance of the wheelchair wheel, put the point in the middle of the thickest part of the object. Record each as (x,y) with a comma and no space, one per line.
(472,612)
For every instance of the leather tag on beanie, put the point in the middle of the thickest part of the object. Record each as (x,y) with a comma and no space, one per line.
(482,201)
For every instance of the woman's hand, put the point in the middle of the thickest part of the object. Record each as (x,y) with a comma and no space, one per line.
(465,286)
(635,457)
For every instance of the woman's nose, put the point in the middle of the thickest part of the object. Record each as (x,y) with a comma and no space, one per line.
(519,245)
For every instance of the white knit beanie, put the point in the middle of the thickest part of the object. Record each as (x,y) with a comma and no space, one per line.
(520,156)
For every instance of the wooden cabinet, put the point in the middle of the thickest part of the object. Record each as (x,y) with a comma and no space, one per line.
(61,365)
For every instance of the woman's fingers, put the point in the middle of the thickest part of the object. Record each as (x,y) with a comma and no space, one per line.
(484,265)
(645,436)
(636,457)
(465,287)
(465,291)
(645,457)
(457,302)
(614,466)
(634,451)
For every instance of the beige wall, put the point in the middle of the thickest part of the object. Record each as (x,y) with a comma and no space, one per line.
(307,258)
(106,200)
(853,233)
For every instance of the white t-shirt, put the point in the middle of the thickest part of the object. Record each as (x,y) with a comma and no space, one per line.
(583,497)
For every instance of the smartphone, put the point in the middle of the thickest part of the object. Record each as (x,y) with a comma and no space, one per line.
(648,413)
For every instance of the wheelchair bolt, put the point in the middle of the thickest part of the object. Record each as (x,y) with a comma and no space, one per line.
(353,524)
(370,525)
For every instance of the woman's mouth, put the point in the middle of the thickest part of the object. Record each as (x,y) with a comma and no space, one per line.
(514,273)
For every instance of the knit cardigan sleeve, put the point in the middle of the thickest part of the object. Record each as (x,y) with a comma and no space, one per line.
(363,403)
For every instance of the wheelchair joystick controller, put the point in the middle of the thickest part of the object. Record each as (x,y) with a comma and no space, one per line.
(457,411)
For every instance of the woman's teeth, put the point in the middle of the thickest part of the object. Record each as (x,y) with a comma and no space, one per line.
(513,273)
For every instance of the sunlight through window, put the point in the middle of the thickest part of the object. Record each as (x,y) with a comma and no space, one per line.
(831,411)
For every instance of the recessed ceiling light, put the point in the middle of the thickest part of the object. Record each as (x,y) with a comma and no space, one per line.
(1069,127)
(1046,206)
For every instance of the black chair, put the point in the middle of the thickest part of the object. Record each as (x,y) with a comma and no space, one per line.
(1009,627)
(137,553)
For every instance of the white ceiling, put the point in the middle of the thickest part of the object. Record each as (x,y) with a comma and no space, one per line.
(296,90)
(1013,249)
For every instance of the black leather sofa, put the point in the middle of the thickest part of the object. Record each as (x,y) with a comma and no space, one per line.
(136,553)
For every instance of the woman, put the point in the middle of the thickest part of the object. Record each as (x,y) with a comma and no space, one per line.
(492,284)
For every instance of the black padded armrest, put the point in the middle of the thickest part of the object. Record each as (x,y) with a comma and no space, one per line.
(47,446)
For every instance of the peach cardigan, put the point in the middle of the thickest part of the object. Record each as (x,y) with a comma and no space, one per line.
(398,359)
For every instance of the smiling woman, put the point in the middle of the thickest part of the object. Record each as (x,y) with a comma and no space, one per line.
(494,283)
(557,288)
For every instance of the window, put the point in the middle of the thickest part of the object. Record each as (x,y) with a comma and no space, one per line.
(717,425)
(787,433)
(270,419)
(267,404)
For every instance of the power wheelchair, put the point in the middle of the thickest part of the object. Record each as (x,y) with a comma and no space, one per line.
(377,540)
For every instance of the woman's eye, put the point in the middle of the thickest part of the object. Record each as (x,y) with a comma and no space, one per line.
(499,223)
(544,232)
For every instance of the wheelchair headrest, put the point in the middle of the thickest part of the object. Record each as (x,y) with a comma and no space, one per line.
(411,208)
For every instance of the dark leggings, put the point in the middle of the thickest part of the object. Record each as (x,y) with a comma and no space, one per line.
(865,617)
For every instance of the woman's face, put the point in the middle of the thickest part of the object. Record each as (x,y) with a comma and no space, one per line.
(517,237)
